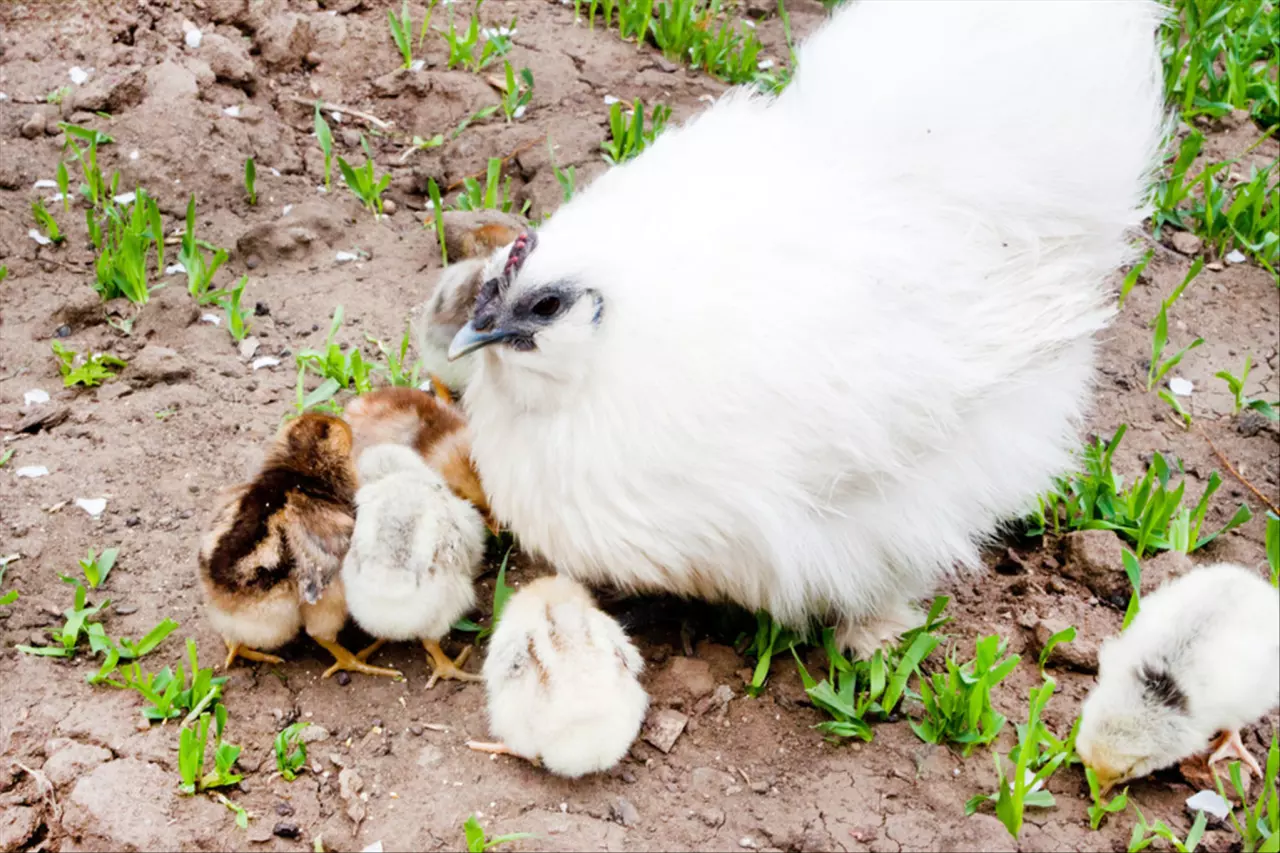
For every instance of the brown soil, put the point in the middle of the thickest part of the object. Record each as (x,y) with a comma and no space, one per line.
(78,772)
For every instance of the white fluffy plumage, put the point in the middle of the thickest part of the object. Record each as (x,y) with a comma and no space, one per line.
(561,678)
(1202,656)
(415,550)
(820,400)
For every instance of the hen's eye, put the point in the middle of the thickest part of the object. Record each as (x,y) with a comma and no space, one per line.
(547,306)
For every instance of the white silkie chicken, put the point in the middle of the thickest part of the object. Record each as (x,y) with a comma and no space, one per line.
(562,681)
(820,398)
(415,551)
(1202,658)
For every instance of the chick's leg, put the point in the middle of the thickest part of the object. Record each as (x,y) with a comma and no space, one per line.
(344,660)
(239,650)
(443,667)
(1229,745)
(500,749)
(365,653)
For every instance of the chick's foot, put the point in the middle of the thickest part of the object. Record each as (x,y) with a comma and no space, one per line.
(239,650)
(881,630)
(443,667)
(1229,745)
(344,660)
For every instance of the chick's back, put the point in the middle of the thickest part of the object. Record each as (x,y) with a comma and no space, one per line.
(561,677)
(278,540)
(415,550)
(1214,633)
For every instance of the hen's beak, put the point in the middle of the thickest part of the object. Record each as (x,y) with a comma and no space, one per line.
(468,339)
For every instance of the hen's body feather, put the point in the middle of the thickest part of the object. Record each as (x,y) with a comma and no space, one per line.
(821,402)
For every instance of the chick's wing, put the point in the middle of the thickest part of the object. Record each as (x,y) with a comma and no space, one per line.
(318,535)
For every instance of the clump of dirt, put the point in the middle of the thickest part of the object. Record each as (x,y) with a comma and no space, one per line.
(190,414)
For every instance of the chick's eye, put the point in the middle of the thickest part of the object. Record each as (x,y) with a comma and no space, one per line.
(547,306)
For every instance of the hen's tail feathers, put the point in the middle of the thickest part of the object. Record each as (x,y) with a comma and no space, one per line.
(1043,110)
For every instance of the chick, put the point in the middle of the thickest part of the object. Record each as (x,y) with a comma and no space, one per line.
(269,565)
(430,424)
(561,678)
(414,555)
(1202,657)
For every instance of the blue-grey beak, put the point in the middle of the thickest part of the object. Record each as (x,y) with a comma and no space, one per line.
(468,339)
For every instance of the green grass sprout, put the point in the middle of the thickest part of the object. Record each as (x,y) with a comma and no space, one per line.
(515,97)
(402,33)
(1101,807)
(628,139)
(478,842)
(957,703)
(46,222)
(96,567)
(1145,834)
(362,181)
(251,180)
(1260,829)
(324,136)
(90,370)
(291,750)
(237,317)
(437,208)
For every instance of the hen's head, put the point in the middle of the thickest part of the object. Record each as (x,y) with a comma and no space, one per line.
(531,321)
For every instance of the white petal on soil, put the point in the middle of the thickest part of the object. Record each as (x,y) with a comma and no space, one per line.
(1181,387)
(33,471)
(764,64)
(417,65)
(337,117)
(193,38)
(1210,802)
(264,361)
(610,100)
(275,171)
(35,397)
(321,189)
(344,257)
(211,319)
(233,111)
(174,269)
(93,506)
(3,96)
(375,847)
(45,184)
(40,239)
(1235,256)
(287,208)
(125,198)
(55,197)
(519,113)
(133,155)
(78,75)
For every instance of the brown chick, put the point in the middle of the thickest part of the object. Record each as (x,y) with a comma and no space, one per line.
(431,424)
(270,564)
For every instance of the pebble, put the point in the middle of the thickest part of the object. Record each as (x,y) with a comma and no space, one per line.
(343,678)
(416,730)
(126,609)
(286,829)
(389,207)
(283,809)
(625,812)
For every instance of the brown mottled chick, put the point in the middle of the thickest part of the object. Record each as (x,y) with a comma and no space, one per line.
(270,564)
(431,424)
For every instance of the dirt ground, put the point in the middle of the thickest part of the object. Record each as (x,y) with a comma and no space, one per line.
(78,769)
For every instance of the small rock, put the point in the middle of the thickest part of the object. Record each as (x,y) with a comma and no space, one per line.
(716,702)
(228,59)
(713,818)
(664,727)
(1094,558)
(259,834)
(625,813)
(389,207)
(343,678)
(155,365)
(115,807)
(113,93)
(1081,654)
(689,676)
(1186,243)
(125,609)
(1250,422)
(283,809)
(34,126)
(709,782)
(416,730)
(286,829)
(314,734)
(760,787)
(169,83)
(284,40)
(43,419)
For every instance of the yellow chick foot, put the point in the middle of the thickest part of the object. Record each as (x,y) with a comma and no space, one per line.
(1229,745)
(443,667)
(239,650)
(343,660)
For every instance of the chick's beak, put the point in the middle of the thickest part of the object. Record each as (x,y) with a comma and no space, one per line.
(469,339)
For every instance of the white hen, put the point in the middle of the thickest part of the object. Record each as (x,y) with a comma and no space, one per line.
(561,678)
(819,398)
(415,551)
(1201,657)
